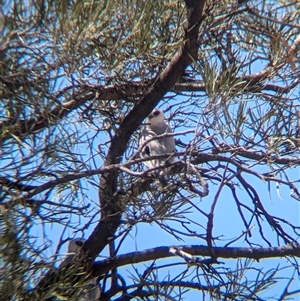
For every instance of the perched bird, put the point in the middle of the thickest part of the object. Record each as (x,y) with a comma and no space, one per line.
(91,291)
(73,247)
(154,127)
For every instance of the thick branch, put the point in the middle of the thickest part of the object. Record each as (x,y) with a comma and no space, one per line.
(87,93)
(100,268)
(110,209)
(198,158)
(46,119)
(51,116)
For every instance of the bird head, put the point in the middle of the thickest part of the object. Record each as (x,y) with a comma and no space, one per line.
(75,245)
(156,116)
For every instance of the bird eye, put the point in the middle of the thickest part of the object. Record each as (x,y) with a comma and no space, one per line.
(147,150)
(156,113)
(79,243)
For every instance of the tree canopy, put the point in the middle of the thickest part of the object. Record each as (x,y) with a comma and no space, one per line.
(77,80)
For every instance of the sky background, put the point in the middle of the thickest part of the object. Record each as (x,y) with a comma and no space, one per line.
(228,224)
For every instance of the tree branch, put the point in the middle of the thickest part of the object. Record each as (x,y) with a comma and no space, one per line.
(109,199)
(100,268)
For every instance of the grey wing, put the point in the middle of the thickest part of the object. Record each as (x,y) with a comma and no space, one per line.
(169,142)
(93,291)
(152,148)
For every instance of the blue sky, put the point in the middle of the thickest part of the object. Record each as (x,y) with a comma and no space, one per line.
(228,224)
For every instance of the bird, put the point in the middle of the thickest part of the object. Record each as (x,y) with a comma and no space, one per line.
(73,247)
(155,126)
(91,290)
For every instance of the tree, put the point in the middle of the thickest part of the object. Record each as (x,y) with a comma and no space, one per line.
(78,78)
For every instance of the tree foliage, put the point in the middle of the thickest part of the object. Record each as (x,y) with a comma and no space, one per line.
(77,80)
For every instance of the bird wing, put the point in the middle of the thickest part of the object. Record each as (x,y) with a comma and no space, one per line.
(155,147)
(93,291)
(152,148)
(169,142)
